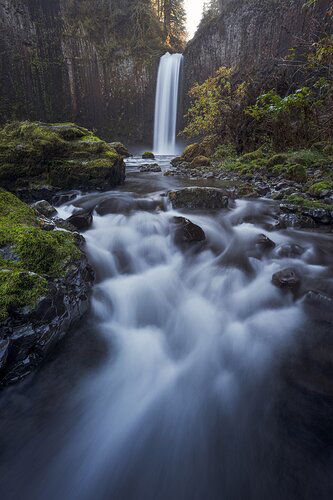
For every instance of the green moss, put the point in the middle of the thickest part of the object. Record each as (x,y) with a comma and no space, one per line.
(306,203)
(200,161)
(277,159)
(253,155)
(328,149)
(191,151)
(316,189)
(19,289)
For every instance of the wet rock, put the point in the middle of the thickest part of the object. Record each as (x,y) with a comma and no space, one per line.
(121,149)
(288,279)
(81,220)
(289,250)
(126,204)
(319,305)
(187,232)
(29,333)
(264,243)
(8,253)
(295,221)
(32,194)
(46,224)
(44,208)
(4,345)
(148,156)
(61,198)
(64,224)
(199,198)
(154,167)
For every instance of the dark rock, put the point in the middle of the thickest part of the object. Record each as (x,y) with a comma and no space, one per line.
(319,305)
(44,208)
(121,149)
(154,167)
(7,253)
(286,279)
(46,224)
(289,250)
(81,220)
(148,156)
(294,220)
(29,334)
(64,224)
(199,198)
(264,243)
(61,198)
(187,232)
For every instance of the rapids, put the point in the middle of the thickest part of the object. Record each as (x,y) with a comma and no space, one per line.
(174,386)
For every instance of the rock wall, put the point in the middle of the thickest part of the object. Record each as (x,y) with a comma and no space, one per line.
(51,73)
(253,36)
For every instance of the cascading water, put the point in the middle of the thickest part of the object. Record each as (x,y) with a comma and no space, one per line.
(166,104)
(180,359)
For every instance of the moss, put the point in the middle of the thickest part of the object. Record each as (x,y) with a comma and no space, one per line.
(148,156)
(200,161)
(253,155)
(19,289)
(277,159)
(306,203)
(319,187)
(191,151)
(296,173)
(31,254)
(328,150)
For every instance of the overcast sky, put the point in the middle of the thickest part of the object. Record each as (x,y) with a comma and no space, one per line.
(194,11)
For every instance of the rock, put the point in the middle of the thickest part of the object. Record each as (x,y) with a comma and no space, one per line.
(81,220)
(121,149)
(44,208)
(4,345)
(64,224)
(187,232)
(61,198)
(46,224)
(125,204)
(176,161)
(200,161)
(30,333)
(319,305)
(264,243)
(199,198)
(7,253)
(289,250)
(295,221)
(154,167)
(148,156)
(286,279)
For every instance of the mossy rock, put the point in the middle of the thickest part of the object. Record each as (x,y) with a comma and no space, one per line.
(277,159)
(40,153)
(200,161)
(120,149)
(192,151)
(320,187)
(148,156)
(29,256)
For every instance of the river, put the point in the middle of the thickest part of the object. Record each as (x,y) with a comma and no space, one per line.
(191,378)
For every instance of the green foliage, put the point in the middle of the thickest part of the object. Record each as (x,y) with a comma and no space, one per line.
(306,203)
(317,188)
(271,106)
(213,103)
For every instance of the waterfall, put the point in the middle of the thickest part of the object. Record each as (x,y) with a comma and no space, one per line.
(166,104)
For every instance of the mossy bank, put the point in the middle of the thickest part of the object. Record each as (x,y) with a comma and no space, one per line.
(45,281)
(61,156)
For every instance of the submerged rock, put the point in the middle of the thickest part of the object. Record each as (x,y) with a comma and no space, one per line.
(199,198)
(187,232)
(81,220)
(290,250)
(147,167)
(287,279)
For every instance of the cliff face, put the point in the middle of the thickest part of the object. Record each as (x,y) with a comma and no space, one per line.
(51,72)
(252,36)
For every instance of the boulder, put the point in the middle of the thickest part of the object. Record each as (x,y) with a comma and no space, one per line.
(121,149)
(289,250)
(287,279)
(199,198)
(148,156)
(200,161)
(264,243)
(187,232)
(81,220)
(37,160)
(45,284)
(147,167)
(44,208)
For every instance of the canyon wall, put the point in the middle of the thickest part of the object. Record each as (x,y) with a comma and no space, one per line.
(51,70)
(253,36)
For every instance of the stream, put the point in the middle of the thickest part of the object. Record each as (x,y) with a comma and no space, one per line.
(189,377)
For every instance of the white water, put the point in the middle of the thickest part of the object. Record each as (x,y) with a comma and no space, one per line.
(166,104)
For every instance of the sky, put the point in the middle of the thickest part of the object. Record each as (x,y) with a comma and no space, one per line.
(194,11)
